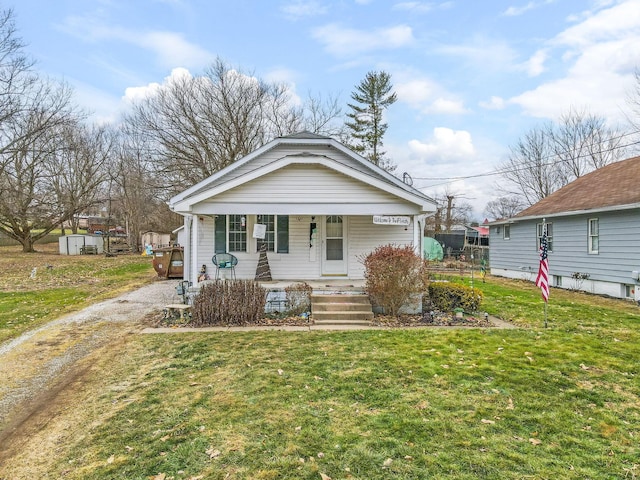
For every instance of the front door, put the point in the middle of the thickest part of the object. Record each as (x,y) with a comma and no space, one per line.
(334,251)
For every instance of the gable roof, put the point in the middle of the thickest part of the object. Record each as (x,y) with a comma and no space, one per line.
(614,186)
(366,170)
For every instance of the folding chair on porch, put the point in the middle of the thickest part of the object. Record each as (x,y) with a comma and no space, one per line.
(225,261)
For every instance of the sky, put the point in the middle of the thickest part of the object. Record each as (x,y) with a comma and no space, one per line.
(472,77)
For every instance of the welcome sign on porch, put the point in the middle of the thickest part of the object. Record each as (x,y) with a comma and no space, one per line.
(391,220)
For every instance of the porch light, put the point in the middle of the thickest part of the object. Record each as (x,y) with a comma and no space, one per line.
(243,221)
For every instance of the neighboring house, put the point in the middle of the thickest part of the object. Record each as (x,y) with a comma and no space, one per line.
(593,231)
(320,207)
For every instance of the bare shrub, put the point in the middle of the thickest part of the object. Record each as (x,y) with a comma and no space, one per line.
(393,275)
(229,303)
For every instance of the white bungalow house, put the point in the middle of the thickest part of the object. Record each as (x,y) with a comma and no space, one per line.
(319,206)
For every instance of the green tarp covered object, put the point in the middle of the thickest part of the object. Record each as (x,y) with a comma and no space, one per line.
(432,249)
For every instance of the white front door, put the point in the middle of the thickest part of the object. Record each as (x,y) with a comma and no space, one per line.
(334,245)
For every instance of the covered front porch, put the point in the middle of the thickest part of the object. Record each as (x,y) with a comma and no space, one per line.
(327,250)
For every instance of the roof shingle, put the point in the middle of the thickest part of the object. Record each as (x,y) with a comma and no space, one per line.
(613,185)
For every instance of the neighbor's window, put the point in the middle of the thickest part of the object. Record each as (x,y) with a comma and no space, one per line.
(594,235)
(549,236)
(277,235)
(506,232)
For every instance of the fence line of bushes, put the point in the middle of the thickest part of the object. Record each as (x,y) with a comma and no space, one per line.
(9,242)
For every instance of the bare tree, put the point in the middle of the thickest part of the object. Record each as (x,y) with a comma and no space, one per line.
(80,168)
(321,117)
(15,75)
(582,143)
(137,193)
(552,155)
(29,170)
(451,211)
(504,207)
(195,126)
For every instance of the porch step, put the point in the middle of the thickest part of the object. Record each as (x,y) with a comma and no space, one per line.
(341,309)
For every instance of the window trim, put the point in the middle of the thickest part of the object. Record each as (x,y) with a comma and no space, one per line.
(591,236)
(241,233)
(506,232)
(549,236)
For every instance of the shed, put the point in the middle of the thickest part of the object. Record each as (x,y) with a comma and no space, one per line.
(76,244)
(156,240)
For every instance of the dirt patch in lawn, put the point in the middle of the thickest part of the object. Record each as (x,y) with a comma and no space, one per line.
(38,367)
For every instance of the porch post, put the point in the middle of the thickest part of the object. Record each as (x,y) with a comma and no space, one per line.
(186,274)
(195,235)
(418,226)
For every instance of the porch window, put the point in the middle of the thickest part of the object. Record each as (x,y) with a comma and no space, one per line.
(594,235)
(277,235)
(237,233)
(549,236)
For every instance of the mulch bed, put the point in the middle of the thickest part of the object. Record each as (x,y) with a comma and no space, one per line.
(437,319)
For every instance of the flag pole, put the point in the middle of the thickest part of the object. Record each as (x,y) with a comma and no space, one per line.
(546,300)
(542,280)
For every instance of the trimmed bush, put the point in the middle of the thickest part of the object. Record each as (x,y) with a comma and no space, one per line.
(229,303)
(446,297)
(298,297)
(393,275)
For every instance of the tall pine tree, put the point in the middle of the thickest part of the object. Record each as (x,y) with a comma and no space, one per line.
(366,128)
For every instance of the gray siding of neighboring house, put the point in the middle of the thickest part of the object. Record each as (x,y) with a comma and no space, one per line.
(618,255)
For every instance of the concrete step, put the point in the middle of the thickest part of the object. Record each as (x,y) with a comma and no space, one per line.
(342,322)
(341,309)
(340,298)
(342,316)
(345,307)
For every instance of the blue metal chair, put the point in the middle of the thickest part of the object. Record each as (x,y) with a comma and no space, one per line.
(225,261)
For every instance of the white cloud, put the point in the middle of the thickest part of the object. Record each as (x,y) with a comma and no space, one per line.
(445,146)
(619,21)
(133,94)
(516,11)
(494,103)
(484,53)
(341,41)
(169,48)
(535,65)
(303,8)
(601,54)
(426,96)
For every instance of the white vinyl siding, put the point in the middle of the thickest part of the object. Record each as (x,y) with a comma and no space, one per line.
(308,185)
(284,151)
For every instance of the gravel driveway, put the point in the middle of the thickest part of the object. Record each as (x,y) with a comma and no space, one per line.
(35,364)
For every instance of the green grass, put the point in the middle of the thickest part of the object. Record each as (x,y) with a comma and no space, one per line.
(534,402)
(369,405)
(561,402)
(70,283)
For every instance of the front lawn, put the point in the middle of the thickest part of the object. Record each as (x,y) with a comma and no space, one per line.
(561,402)
(38,287)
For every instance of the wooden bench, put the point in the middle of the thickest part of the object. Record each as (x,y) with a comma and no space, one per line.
(179,309)
(89,250)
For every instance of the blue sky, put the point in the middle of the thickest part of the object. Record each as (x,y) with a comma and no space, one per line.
(471,76)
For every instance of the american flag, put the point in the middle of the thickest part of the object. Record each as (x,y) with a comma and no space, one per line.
(542,279)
